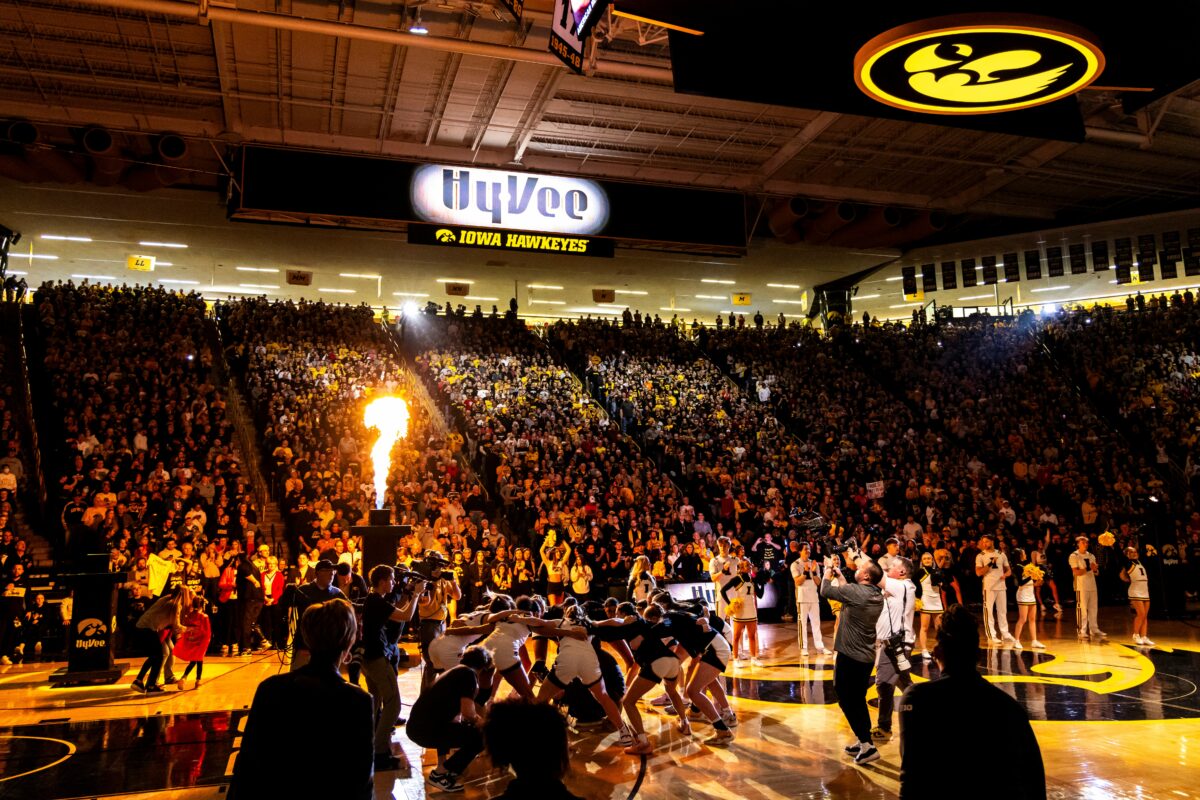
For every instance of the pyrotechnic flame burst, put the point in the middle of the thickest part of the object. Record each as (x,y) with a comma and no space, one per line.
(388,415)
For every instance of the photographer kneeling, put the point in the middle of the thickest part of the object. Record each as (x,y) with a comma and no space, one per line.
(862,602)
(446,715)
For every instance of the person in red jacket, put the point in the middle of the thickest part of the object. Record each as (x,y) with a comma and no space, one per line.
(193,644)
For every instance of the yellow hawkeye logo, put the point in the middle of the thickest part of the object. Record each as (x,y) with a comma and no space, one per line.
(981,64)
(444,235)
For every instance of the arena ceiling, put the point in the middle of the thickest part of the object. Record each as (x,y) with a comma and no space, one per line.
(481,89)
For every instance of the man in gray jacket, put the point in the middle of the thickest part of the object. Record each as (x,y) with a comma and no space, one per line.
(862,603)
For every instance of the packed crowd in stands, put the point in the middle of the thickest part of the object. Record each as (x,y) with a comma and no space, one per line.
(140,454)
(608,457)
(560,466)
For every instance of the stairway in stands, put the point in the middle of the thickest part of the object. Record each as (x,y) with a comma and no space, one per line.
(246,444)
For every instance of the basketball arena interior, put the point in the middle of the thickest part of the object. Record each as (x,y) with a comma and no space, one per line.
(599,398)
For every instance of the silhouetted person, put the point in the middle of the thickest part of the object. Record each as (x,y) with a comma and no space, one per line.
(310,710)
(961,700)
(532,739)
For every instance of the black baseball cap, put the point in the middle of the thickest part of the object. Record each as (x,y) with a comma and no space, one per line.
(325,563)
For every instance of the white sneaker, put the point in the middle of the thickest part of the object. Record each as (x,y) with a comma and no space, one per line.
(738,663)
(1037,645)
(1137,638)
(804,651)
(661,700)
(1017,645)
(1101,635)
(626,739)
(730,719)
(995,642)
(1147,643)
(825,651)
(928,656)
(754,661)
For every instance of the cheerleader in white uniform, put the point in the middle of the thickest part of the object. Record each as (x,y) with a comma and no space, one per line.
(577,661)
(1139,596)
(741,598)
(930,578)
(446,651)
(1027,590)
(507,642)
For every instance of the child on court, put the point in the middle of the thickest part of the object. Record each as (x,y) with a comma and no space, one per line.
(193,644)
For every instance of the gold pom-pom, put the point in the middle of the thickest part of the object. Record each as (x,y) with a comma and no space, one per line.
(1107,539)
(1033,571)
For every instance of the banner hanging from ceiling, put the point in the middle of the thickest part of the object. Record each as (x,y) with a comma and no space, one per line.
(570,27)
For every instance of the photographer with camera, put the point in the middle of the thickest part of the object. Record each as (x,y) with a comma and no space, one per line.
(862,602)
(895,634)
(383,621)
(992,566)
(433,605)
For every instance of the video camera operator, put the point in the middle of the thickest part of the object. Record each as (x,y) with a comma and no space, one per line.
(384,614)
(862,602)
(433,605)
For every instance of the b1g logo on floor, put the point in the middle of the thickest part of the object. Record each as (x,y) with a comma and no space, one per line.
(977,64)
(488,198)
(92,633)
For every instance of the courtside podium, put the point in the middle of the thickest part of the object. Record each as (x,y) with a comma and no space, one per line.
(380,539)
(90,637)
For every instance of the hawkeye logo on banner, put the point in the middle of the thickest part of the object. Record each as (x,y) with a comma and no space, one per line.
(458,236)
(573,20)
(977,64)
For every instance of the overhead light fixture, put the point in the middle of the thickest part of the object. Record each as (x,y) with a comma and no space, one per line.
(684,310)
(36,256)
(1050,289)
(896,278)
(101,260)
(410,294)
(795,316)
(94,277)
(979,297)
(163,264)
(784,285)
(176,280)
(709,296)
(18,272)
(54,238)
(336,291)
(256,269)
(717,280)
(630,292)
(548,286)
(789,302)
(258,286)
(866,297)
(481,299)
(416,26)
(549,302)
(455,280)
(175,245)
(364,275)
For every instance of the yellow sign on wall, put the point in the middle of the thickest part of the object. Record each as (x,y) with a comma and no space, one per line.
(977,64)
(141,263)
(741,299)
